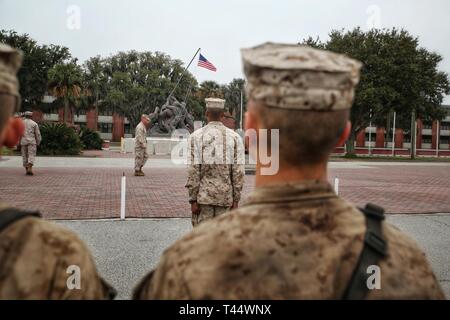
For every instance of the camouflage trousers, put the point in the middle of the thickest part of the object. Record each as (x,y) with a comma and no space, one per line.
(140,158)
(28,154)
(208,212)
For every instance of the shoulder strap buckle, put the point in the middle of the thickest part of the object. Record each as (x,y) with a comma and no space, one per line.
(373,211)
(10,215)
(375,242)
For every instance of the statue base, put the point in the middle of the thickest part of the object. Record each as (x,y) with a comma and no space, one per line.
(156,145)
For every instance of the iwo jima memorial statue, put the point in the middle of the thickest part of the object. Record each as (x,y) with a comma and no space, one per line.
(171,116)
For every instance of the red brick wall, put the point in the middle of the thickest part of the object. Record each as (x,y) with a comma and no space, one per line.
(228,121)
(434,135)
(38,116)
(61,115)
(379,142)
(399,138)
(118,130)
(419,134)
(92,119)
(361,138)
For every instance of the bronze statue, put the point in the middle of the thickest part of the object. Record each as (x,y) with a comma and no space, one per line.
(171,116)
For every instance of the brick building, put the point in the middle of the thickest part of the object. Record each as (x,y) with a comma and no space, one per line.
(111,126)
(432,138)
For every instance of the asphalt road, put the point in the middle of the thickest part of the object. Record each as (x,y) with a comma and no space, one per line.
(126,250)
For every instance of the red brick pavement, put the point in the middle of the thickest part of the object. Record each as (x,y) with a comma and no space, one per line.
(400,188)
(95,193)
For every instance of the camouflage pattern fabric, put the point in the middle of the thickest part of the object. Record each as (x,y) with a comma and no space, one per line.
(141,154)
(300,77)
(207,212)
(292,241)
(216,166)
(32,134)
(28,154)
(141,157)
(35,256)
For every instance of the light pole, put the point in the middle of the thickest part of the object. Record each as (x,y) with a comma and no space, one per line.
(241,111)
(393,136)
(370,132)
(413,134)
(437,138)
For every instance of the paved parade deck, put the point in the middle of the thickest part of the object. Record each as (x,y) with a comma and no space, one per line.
(89,188)
(72,189)
(126,250)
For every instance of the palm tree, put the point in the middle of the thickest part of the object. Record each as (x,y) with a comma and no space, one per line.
(233,97)
(210,89)
(94,80)
(65,83)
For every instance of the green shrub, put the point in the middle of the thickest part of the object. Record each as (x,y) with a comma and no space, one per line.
(4,151)
(59,139)
(351,155)
(91,139)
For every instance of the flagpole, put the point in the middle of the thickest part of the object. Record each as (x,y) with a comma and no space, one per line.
(185,69)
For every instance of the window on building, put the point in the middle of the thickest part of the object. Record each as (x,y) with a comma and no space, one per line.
(105,127)
(105,113)
(127,128)
(426,139)
(445,125)
(427,125)
(444,140)
(52,111)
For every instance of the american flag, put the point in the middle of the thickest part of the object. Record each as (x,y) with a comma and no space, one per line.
(203,62)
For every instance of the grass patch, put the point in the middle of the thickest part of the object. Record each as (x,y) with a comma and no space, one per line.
(391,159)
(4,151)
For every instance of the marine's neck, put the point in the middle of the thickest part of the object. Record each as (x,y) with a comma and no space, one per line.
(289,174)
(214,122)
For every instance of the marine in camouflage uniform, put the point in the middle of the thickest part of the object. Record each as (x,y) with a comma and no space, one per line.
(216,168)
(294,238)
(35,255)
(29,142)
(140,147)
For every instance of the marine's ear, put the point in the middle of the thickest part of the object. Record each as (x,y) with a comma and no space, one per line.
(13,132)
(251,117)
(345,134)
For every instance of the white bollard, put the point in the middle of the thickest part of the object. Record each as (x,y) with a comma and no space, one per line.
(122,197)
(336,185)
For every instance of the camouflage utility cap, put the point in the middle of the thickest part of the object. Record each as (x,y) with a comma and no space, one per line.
(215,103)
(300,77)
(10,62)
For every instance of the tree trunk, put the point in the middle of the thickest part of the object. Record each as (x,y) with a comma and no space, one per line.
(96,111)
(66,110)
(388,130)
(413,135)
(72,112)
(350,143)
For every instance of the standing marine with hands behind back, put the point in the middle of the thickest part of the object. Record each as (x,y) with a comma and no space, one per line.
(140,146)
(29,142)
(216,166)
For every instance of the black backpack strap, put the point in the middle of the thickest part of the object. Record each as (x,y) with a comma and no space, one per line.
(10,215)
(374,249)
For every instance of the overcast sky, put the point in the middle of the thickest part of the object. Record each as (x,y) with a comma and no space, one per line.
(219,27)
